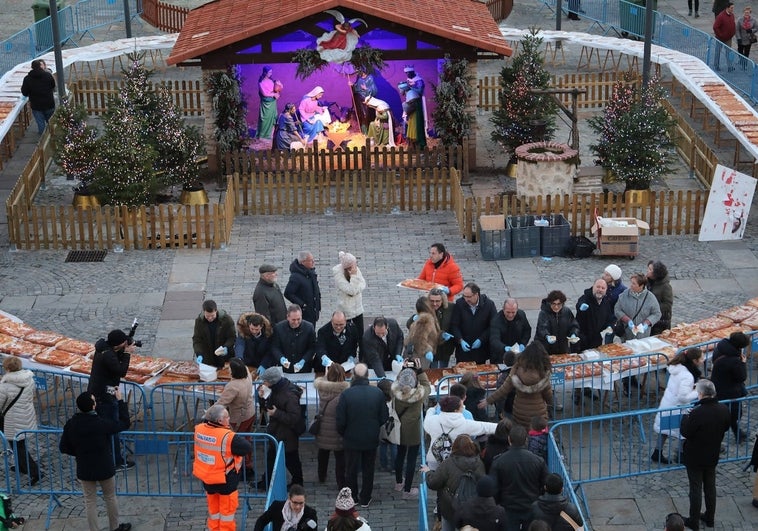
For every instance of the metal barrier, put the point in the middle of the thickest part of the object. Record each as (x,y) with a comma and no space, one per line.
(76,20)
(163,468)
(56,393)
(589,447)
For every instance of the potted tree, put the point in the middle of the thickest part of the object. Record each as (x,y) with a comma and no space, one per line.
(634,141)
(75,150)
(524,117)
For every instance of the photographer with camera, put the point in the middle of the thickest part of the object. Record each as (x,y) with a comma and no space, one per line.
(109,365)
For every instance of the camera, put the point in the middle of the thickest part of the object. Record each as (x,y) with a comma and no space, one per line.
(130,336)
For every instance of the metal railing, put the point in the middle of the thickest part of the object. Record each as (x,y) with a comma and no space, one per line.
(627,19)
(74,21)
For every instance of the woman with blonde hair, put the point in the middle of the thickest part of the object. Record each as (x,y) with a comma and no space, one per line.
(329,388)
(350,284)
(17,404)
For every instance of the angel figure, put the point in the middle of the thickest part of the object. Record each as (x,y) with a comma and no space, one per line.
(337,46)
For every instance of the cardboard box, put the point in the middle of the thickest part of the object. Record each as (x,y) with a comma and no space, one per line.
(619,236)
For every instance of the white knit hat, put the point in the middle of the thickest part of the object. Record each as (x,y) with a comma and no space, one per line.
(614,271)
(344,500)
(347,260)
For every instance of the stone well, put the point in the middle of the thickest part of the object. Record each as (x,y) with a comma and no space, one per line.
(545,168)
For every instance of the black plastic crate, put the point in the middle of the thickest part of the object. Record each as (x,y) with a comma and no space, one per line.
(556,238)
(525,236)
(494,238)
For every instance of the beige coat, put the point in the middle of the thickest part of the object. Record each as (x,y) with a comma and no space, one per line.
(237,396)
(328,438)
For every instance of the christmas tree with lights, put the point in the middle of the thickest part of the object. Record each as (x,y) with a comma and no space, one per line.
(145,146)
(524,117)
(229,109)
(452,121)
(75,149)
(634,134)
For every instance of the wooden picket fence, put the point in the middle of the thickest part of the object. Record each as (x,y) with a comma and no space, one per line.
(188,95)
(599,87)
(165,17)
(667,212)
(163,226)
(366,191)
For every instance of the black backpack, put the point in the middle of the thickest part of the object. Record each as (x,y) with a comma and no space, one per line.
(465,490)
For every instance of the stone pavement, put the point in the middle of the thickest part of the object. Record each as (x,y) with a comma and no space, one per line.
(164,289)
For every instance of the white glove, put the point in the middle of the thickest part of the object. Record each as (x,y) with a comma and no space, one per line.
(606,330)
(221,351)
(573,339)
(551,339)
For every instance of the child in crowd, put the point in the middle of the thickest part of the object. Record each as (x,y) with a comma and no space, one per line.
(538,437)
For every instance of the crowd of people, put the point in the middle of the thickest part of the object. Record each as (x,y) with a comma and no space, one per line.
(488,475)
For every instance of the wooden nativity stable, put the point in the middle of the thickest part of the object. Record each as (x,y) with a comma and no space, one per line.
(254,33)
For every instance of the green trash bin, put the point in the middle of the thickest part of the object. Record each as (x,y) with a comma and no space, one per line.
(44,32)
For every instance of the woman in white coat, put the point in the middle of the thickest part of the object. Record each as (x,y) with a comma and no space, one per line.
(451,422)
(17,402)
(684,371)
(350,284)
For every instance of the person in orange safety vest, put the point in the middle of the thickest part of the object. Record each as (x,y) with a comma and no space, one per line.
(218,459)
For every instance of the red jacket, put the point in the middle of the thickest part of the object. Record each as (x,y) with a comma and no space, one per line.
(725,26)
(448,274)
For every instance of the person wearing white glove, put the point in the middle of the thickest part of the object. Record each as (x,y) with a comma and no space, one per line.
(637,306)
(596,317)
(294,340)
(555,324)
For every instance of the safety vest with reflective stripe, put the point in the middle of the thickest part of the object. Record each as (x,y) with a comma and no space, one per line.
(213,454)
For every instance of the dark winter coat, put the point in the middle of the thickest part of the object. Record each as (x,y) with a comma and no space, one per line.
(504,333)
(329,344)
(561,325)
(615,290)
(661,288)
(594,319)
(225,336)
(446,477)
(328,437)
(729,372)
(548,507)
(494,447)
(288,412)
(86,436)
(472,326)
(269,301)
(377,354)
(39,86)
(302,289)
(108,367)
(520,476)
(704,428)
(409,405)
(482,514)
(273,515)
(361,411)
(534,394)
(295,344)
(255,351)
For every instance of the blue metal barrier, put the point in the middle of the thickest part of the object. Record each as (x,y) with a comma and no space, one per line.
(91,14)
(42,31)
(589,447)
(163,468)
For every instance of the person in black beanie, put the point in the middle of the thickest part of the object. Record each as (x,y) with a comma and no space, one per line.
(109,365)
(87,436)
(482,512)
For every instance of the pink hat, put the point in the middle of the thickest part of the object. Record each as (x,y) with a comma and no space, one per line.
(347,260)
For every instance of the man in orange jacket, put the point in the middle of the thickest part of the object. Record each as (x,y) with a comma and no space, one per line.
(218,459)
(442,269)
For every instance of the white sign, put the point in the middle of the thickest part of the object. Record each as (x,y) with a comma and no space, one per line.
(728,205)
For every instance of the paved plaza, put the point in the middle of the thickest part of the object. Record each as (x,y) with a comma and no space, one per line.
(164,289)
